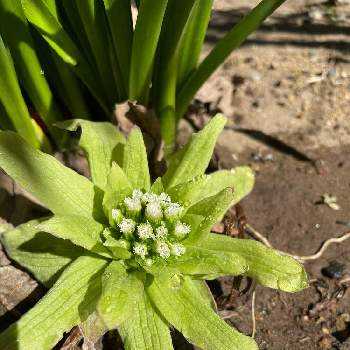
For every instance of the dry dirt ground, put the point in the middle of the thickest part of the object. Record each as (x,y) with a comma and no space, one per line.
(286,93)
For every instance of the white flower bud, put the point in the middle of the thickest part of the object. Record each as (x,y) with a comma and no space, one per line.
(149,262)
(149,197)
(173,211)
(154,212)
(181,230)
(127,226)
(133,205)
(161,232)
(164,200)
(137,194)
(117,215)
(145,231)
(140,249)
(177,249)
(163,249)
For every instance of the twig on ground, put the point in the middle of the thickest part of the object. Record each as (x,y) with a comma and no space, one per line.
(253,315)
(304,258)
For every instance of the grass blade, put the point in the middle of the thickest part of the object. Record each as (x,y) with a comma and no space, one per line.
(12,99)
(176,17)
(192,39)
(222,50)
(121,27)
(16,33)
(146,36)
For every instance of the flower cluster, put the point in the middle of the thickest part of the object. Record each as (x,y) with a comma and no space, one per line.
(150,226)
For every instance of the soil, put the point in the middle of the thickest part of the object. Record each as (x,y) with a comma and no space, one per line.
(286,93)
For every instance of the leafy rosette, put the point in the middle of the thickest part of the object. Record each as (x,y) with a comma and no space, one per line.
(122,252)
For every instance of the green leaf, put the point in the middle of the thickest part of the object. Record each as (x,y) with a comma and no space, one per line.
(42,16)
(116,247)
(241,179)
(15,30)
(145,329)
(118,187)
(209,264)
(82,231)
(183,307)
(135,163)
(59,188)
(98,140)
(40,253)
(146,35)
(213,210)
(69,302)
(12,100)
(120,23)
(157,186)
(222,50)
(266,265)
(193,159)
(93,17)
(120,293)
(205,293)
(192,39)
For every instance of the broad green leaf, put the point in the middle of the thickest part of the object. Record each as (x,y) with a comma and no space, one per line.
(145,329)
(193,159)
(205,292)
(192,39)
(14,28)
(98,140)
(59,188)
(120,293)
(183,307)
(81,231)
(69,302)
(116,247)
(222,50)
(120,23)
(144,46)
(240,179)
(118,187)
(135,163)
(209,264)
(213,210)
(267,266)
(12,100)
(157,186)
(40,253)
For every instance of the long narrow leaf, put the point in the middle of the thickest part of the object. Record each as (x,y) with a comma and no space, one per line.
(192,39)
(146,35)
(12,99)
(16,33)
(222,50)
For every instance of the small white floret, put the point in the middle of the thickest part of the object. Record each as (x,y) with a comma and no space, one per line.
(154,212)
(161,232)
(149,197)
(177,249)
(181,230)
(127,226)
(173,211)
(133,204)
(145,231)
(140,250)
(137,194)
(117,215)
(163,250)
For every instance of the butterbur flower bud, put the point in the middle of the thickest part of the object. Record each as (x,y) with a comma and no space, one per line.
(177,249)
(173,211)
(117,215)
(148,197)
(154,212)
(140,249)
(133,206)
(181,230)
(145,231)
(127,226)
(161,232)
(163,249)
(164,200)
(137,194)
